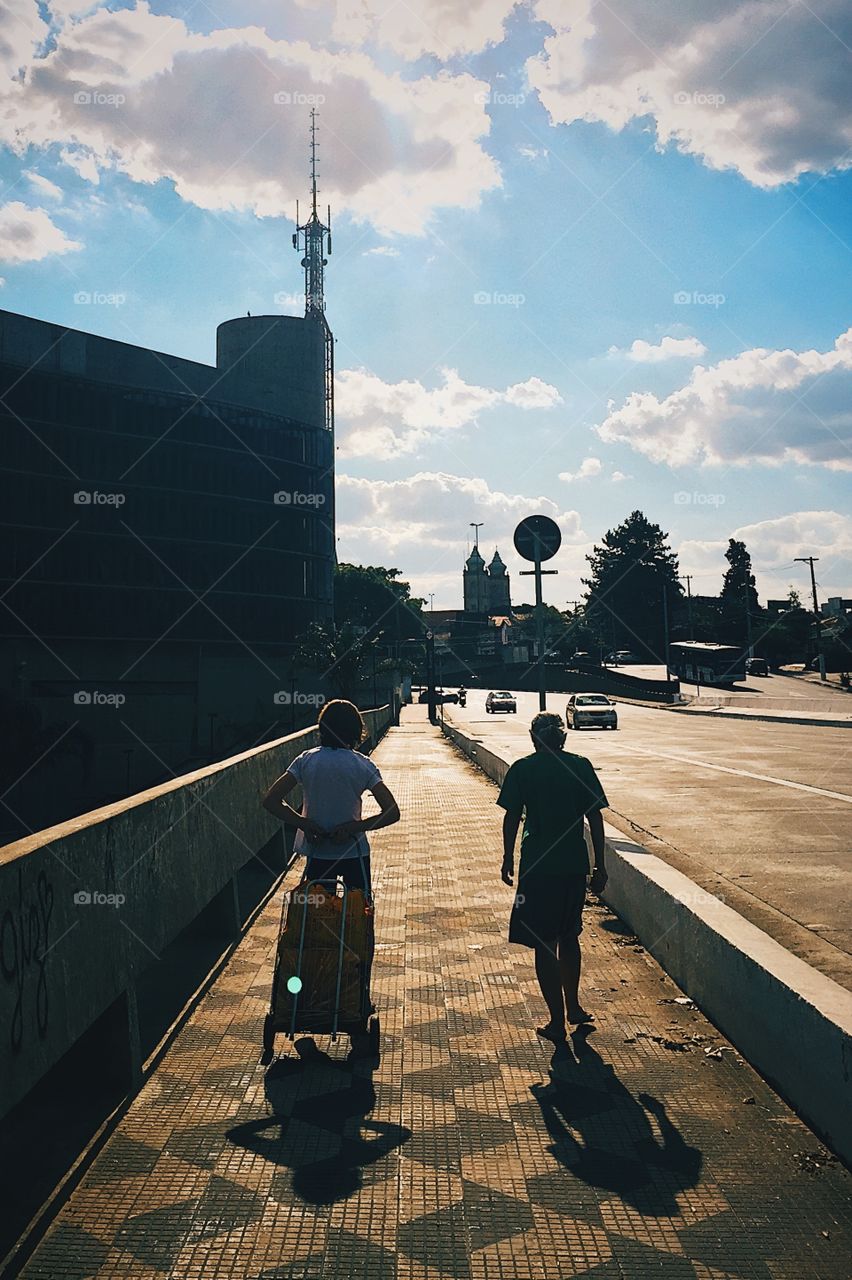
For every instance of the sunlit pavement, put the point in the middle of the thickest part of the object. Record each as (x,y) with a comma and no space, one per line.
(651,1149)
(713,797)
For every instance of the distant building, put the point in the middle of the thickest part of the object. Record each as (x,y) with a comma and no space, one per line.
(486,590)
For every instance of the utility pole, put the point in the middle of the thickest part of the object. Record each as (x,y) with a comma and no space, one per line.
(687,578)
(476,527)
(811,560)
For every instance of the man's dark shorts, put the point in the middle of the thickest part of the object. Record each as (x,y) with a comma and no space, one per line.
(547,908)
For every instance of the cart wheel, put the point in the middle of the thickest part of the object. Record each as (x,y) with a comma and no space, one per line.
(268,1041)
(374,1033)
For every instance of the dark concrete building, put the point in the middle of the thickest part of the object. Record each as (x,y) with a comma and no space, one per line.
(167,528)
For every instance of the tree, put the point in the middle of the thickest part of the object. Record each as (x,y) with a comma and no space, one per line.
(740,609)
(338,654)
(632,573)
(378,599)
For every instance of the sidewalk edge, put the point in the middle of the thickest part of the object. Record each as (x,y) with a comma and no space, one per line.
(792,1023)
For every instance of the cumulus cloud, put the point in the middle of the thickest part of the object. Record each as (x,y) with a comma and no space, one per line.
(443,28)
(761,406)
(386,419)
(223,117)
(22,30)
(668,348)
(28,235)
(421,522)
(759,86)
(588,467)
(774,545)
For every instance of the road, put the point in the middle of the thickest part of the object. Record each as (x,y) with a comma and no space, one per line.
(759,814)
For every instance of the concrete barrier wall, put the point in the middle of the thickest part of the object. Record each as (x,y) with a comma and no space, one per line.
(89,904)
(790,1021)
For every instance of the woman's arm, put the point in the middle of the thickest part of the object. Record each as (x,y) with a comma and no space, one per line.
(275,804)
(388,814)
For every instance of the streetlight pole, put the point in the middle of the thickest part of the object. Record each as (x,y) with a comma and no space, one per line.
(811,560)
(687,578)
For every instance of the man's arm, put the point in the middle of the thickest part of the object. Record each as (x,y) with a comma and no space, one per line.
(599,878)
(511,822)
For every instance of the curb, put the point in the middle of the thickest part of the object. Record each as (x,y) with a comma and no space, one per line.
(763,719)
(793,1024)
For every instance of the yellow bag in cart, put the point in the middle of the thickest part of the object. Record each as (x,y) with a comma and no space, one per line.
(324,958)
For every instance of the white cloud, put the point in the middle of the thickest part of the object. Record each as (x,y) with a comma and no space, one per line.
(43,185)
(22,30)
(773,546)
(618,476)
(381,251)
(588,467)
(443,28)
(420,524)
(385,419)
(759,86)
(668,348)
(761,406)
(28,235)
(139,92)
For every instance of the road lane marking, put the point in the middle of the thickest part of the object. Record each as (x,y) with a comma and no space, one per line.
(740,773)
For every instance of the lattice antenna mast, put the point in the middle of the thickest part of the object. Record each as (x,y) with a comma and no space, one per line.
(313,237)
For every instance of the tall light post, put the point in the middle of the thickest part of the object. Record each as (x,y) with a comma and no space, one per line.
(811,560)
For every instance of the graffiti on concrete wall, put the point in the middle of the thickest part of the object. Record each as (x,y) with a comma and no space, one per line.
(24,930)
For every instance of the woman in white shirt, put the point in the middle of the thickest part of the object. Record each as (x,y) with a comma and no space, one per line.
(331,832)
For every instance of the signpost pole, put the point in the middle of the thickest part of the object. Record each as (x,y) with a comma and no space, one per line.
(539,614)
(538,538)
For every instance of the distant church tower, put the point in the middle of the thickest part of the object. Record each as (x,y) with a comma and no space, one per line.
(499,602)
(476,599)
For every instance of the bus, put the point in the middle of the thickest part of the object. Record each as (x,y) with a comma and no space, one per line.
(703,662)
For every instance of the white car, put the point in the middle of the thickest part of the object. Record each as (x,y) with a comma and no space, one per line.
(590,710)
(503,701)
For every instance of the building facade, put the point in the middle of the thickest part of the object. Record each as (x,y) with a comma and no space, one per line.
(486,589)
(167,529)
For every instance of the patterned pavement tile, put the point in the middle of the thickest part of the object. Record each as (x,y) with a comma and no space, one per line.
(471,1151)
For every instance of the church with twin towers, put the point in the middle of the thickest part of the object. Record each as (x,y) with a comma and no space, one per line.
(486,587)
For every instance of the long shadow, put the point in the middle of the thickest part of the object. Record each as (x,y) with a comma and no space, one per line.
(315,1100)
(622,1153)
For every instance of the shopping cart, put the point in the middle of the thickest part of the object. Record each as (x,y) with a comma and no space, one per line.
(321,979)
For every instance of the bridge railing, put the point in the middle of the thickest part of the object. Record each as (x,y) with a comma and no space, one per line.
(87,906)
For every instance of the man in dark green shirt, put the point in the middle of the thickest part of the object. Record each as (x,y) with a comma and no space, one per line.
(556,792)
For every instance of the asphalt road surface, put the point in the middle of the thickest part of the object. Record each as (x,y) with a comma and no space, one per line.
(758,813)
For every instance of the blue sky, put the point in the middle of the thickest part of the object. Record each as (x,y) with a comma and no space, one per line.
(582,263)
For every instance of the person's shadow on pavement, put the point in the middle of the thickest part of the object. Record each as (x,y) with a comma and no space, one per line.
(622,1154)
(320,1115)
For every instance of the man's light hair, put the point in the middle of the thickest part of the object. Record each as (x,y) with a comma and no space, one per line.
(548,730)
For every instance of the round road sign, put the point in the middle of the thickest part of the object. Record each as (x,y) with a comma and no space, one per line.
(537,538)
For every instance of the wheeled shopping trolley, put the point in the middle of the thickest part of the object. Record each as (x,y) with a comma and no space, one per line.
(321,980)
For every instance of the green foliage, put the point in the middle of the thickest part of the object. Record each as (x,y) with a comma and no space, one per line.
(740,610)
(338,654)
(378,599)
(631,572)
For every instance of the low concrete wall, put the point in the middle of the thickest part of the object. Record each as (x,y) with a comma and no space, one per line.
(89,904)
(788,1020)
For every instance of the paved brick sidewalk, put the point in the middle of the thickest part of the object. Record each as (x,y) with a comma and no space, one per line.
(462,1155)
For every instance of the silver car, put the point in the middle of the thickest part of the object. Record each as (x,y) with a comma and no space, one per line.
(590,710)
(503,701)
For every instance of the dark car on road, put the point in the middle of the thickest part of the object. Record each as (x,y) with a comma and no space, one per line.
(757,667)
(590,710)
(441,696)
